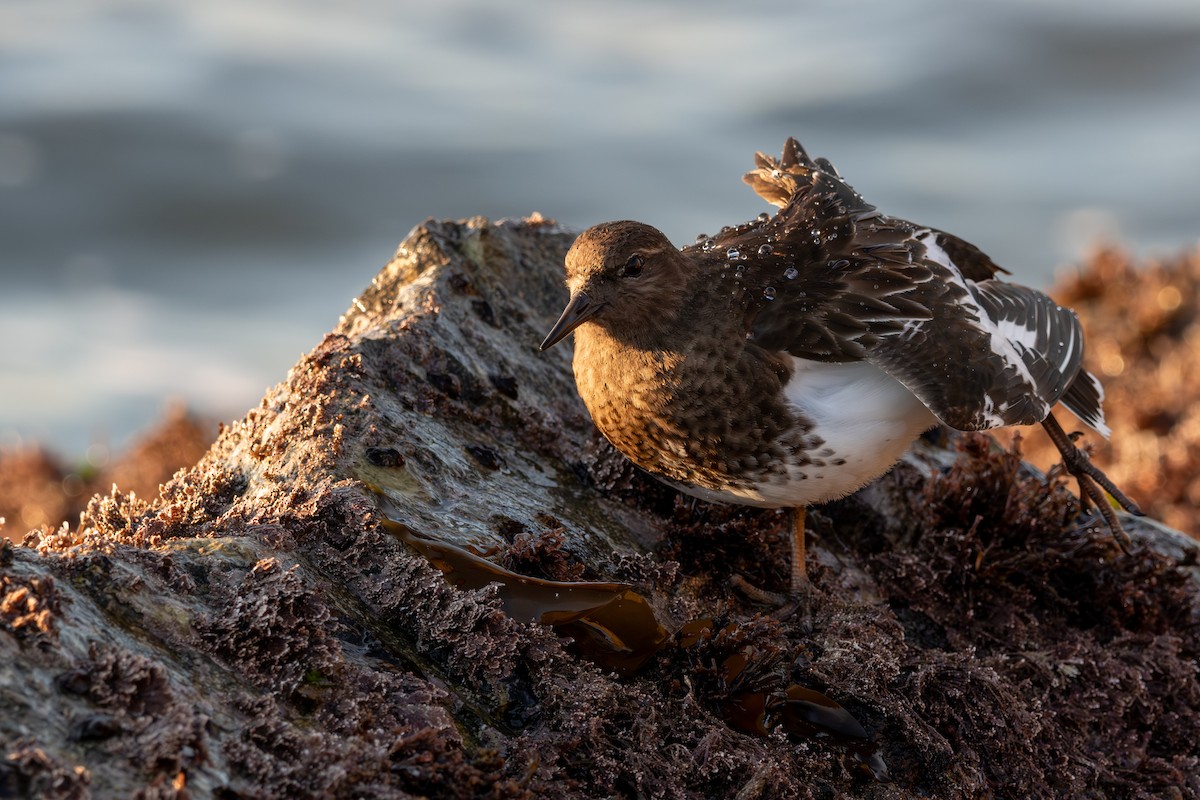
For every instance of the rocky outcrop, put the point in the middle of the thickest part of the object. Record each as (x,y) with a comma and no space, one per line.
(415,570)
(39,490)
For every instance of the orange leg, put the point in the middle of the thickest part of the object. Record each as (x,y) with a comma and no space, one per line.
(800,582)
(800,588)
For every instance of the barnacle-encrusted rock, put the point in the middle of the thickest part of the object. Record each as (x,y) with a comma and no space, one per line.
(277,622)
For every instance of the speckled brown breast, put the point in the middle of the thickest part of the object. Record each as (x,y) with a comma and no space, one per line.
(710,415)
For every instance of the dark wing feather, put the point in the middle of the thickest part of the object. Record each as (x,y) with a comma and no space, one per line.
(1046,336)
(778,181)
(1084,398)
(846,283)
(974,264)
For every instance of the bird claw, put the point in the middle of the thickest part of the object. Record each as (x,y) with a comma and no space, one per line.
(1092,481)
(786,604)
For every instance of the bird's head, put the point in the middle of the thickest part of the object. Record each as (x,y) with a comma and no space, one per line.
(621,272)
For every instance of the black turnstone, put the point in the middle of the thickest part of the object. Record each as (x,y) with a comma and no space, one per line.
(792,359)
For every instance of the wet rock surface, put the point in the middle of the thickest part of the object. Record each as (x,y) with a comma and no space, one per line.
(335,600)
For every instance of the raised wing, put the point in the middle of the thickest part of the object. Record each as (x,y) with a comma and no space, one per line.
(839,281)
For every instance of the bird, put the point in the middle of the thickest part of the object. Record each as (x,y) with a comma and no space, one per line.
(792,359)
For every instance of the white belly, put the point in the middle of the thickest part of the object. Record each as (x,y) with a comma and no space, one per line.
(867,420)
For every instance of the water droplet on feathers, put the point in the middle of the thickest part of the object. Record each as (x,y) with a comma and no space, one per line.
(764,217)
(765,250)
(732,254)
(791,273)
(769,293)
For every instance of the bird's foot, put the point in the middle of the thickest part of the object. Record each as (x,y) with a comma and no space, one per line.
(1093,483)
(799,591)
(796,601)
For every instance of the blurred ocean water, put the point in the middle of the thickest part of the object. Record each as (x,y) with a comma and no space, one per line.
(190,194)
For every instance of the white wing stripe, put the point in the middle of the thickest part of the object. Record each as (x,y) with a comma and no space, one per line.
(1002,344)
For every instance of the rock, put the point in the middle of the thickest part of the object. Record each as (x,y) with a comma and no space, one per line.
(38,491)
(281,622)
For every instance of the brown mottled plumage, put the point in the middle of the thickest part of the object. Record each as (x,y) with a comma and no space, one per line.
(647,387)
(793,358)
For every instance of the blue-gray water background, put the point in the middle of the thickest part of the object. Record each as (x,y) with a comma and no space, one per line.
(191,194)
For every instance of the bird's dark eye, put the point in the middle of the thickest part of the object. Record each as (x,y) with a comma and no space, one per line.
(633,267)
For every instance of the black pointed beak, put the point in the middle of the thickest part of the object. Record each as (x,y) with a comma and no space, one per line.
(578,311)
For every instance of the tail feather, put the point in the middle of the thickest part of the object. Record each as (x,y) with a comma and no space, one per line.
(1084,398)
